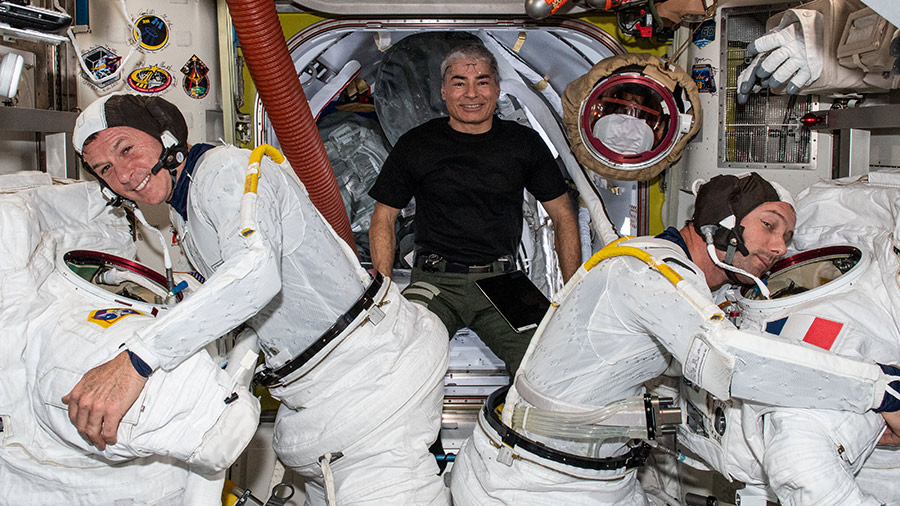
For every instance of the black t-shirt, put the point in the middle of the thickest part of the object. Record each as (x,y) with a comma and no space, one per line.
(468,188)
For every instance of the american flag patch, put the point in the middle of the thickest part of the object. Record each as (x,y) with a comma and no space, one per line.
(808,328)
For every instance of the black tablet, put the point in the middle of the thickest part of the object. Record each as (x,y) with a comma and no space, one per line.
(517,299)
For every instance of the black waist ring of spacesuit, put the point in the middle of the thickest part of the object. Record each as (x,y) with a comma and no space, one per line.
(635,457)
(269,377)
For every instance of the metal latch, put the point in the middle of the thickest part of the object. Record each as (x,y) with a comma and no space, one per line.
(662,415)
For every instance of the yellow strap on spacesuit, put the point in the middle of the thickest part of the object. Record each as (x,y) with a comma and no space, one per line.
(255,158)
(613,249)
(248,201)
(686,289)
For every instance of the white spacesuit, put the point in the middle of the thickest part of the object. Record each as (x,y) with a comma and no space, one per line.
(821,457)
(372,397)
(190,423)
(358,370)
(834,296)
(616,326)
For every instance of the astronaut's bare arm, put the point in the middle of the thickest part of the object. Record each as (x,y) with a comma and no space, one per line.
(891,436)
(382,238)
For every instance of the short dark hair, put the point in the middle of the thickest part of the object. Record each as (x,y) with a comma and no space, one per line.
(471,52)
(91,138)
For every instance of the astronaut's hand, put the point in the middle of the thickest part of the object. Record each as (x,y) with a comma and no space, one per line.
(891,436)
(102,397)
(779,56)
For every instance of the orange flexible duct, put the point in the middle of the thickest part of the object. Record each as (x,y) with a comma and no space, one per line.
(272,70)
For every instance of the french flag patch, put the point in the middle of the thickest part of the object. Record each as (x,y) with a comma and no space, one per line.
(808,328)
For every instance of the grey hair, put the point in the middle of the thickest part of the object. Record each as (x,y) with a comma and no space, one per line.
(475,52)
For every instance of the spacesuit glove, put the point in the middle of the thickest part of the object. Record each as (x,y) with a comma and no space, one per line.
(891,401)
(747,83)
(779,56)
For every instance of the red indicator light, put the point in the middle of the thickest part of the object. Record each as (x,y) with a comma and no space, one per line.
(812,119)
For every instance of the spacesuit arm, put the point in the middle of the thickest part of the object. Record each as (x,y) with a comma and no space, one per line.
(247,279)
(728,362)
(197,413)
(810,456)
(814,49)
(791,53)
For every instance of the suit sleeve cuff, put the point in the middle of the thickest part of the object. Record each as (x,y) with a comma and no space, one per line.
(139,365)
(135,346)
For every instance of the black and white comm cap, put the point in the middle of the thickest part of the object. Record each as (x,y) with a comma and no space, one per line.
(724,200)
(152,115)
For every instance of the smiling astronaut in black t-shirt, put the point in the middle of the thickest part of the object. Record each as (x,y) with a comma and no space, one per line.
(467,173)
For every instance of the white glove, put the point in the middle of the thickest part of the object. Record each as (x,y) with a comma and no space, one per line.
(779,56)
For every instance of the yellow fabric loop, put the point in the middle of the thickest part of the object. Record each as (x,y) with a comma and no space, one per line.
(613,249)
(265,149)
(250,183)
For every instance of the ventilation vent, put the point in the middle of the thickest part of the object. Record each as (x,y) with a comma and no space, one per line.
(763,133)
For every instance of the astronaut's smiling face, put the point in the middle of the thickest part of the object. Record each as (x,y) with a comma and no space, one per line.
(471,93)
(123,156)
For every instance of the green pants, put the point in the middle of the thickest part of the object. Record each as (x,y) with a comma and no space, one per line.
(456,300)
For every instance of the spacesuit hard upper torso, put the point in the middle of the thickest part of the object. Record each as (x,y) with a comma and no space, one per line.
(600,349)
(825,457)
(371,371)
(56,327)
